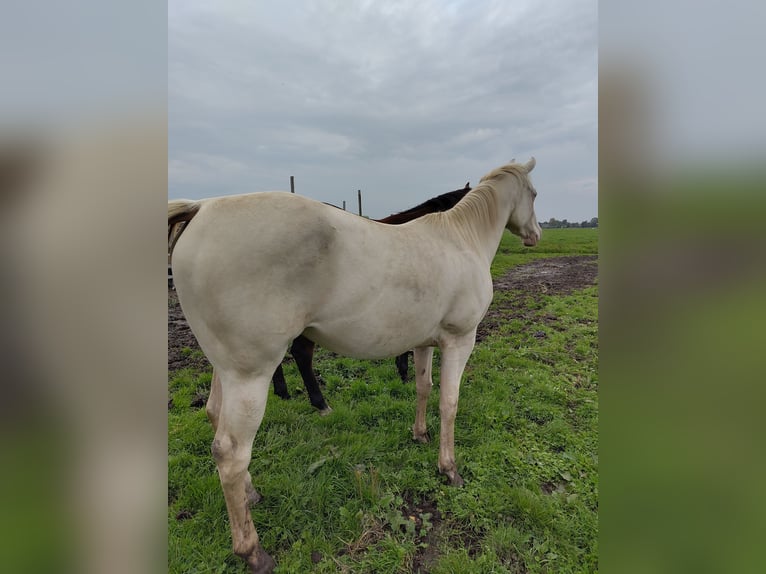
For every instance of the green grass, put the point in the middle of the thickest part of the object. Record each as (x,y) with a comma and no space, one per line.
(352,492)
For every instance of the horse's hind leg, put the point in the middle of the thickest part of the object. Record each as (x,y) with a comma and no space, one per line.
(213,406)
(302,350)
(423,384)
(243,402)
(213,410)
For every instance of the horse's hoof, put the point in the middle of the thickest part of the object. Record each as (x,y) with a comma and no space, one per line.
(260,562)
(454,478)
(325,411)
(457,481)
(252,496)
(421,438)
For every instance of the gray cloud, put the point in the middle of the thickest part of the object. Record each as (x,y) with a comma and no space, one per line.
(404,100)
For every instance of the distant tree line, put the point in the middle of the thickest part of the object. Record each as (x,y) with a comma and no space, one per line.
(555,223)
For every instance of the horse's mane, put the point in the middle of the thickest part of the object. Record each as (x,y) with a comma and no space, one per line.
(516,169)
(436,204)
(477,213)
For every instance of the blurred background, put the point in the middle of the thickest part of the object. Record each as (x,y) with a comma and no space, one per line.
(682,177)
(83,186)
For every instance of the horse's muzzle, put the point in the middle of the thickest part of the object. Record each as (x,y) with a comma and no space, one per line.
(530,240)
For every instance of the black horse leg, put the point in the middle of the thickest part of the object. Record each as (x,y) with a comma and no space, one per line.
(402,362)
(280,386)
(303,353)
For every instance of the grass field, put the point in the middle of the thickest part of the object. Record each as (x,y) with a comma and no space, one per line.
(352,492)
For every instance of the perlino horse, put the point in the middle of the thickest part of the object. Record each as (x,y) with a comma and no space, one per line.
(255,271)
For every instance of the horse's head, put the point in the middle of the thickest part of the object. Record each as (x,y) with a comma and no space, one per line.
(523,221)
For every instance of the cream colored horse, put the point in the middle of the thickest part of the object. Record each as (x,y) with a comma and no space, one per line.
(253,272)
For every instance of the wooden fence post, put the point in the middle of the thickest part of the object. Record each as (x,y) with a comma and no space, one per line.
(359,193)
(292,184)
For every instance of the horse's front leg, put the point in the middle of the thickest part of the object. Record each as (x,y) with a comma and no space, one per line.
(454,355)
(423,384)
(402,365)
(302,350)
(280,385)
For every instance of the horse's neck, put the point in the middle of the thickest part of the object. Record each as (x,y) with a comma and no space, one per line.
(503,204)
(482,218)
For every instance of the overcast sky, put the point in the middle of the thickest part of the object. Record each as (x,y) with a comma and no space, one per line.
(403,100)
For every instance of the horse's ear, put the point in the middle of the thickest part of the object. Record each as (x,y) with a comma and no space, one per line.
(467,185)
(530,165)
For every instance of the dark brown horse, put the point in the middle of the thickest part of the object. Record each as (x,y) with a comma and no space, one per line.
(302,349)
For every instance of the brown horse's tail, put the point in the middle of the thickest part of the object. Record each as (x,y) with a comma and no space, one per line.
(180,212)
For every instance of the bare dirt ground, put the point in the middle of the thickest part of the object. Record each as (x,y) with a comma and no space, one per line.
(180,338)
(552,276)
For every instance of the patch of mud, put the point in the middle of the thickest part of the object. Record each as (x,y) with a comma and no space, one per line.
(432,532)
(551,276)
(429,528)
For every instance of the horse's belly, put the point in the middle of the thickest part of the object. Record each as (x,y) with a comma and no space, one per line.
(364,343)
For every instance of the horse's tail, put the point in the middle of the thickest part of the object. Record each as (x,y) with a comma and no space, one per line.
(180,212)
